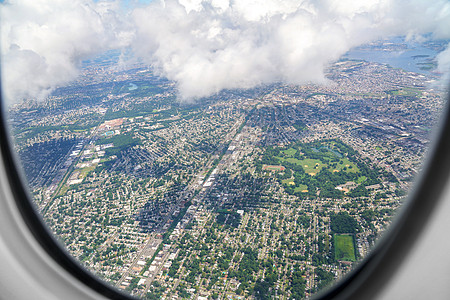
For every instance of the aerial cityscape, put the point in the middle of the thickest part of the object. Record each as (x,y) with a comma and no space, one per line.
(270,192)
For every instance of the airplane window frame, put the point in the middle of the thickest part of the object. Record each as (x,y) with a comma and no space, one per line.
(364,281)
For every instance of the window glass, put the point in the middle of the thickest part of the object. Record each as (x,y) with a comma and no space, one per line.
(218,149)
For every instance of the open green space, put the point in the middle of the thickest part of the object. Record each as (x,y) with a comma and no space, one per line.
(301,188)
(317,168)
(311,166)
(344,247)
(291,160)
(120,142)
(288,181)
(410,92)
(63,190)
(361,179)
(85,171)
(290,152)
(346,165)
(314,166)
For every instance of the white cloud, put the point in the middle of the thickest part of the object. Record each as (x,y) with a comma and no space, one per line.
(43,42)
(443,60)
(205,45)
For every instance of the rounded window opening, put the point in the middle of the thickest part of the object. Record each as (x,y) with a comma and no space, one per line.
(215,149)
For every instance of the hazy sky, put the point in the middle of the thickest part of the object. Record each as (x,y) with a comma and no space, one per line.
(205,46)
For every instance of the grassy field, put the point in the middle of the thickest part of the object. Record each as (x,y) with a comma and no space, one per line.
(85,171)
(311,166)
(291,160)
(314,166)
(361,179)
(344,247)
(348,165)
(288,181)
(301,188)
(290,152)
(63,190)
(315,158)
(412,92)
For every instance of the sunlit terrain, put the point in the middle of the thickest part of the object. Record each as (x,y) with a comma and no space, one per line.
(274,191)
(222,149)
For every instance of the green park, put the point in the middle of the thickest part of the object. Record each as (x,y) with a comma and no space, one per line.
(328,168)
(344,246)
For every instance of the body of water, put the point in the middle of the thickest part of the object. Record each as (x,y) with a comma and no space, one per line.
(411,57)
(132,87)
